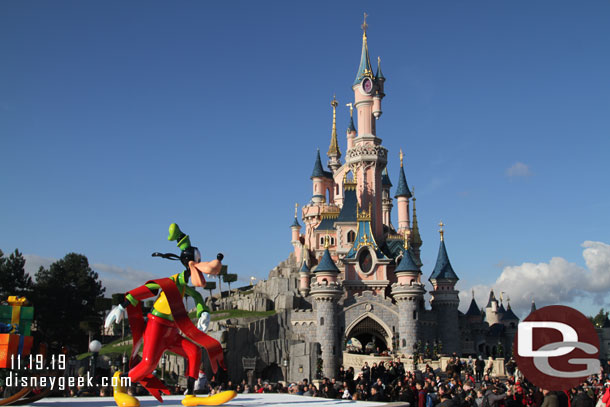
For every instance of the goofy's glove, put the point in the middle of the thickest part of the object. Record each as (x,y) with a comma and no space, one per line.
(115,316)
(204,322)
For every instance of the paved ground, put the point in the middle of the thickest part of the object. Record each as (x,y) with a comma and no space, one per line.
(246,400)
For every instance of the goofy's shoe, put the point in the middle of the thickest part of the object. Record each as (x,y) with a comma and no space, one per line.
(121,398)
(214,400)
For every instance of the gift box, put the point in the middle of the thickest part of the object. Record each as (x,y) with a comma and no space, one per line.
(13,345)
(16,313)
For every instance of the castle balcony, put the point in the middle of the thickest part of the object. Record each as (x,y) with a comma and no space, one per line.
(366,153)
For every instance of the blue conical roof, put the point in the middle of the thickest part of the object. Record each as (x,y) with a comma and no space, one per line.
(295,223)
(473,310)
(403,188)
(327,263)
(407,263)
(385,178)
(304,268)
(318,170)
(365,69)
(492,297)
(351,127)
(443,269)
(509,315)
(379,74)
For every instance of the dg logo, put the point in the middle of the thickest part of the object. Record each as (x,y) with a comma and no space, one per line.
(556,348)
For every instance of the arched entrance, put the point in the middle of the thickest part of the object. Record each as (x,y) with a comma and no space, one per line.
(370,333)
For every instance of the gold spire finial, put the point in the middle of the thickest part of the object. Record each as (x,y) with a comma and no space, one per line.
(351,109)
(406,239)
(296,208)
(442,230)
(378,61)
(413,194)
(501,297)
(333,149)
(473,293)
(327,242)
(401,157)
(364,25)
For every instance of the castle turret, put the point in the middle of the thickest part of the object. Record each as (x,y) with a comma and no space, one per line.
(386,199)
(380,81)
(445,300)
(304,276)
(334,154)
(533,307)
(320,180)
(492,309)
(408,292)
(402,198)
(326,292)
(296,234)
(351,129)
(474,313)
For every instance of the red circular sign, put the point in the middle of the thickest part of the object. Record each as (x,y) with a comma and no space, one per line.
(556,348)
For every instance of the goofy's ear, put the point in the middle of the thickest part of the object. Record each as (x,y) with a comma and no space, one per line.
(176,234)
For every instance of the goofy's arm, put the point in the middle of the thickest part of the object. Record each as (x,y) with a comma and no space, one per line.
(193,293)
(141,293)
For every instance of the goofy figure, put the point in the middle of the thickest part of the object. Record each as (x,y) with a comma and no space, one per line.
(169,327)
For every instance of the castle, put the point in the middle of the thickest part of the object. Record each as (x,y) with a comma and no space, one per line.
(360,287)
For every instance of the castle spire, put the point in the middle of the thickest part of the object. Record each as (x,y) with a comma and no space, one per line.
(379,75)
(365,69)
(403,187)
(333,150)
(443,269)
(416,241)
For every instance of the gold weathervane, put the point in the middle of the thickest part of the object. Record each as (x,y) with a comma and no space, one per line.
(351,109)
(401,157)
(442,230)
(296,208)
(406,239)
(364,25)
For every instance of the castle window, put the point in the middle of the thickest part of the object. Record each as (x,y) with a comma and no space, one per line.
(414,314)
(365,261)
(332,241)
(404,343)
(322,240)
(322,321)
(351,236)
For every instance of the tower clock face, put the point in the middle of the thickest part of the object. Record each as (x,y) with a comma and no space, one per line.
(367,85)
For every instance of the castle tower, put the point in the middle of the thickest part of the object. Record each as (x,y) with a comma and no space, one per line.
(408,293)
(304,276)
(367,158)
(416,241)
(445,300)
(326,292)
(474,313)
(386,200)
(334,155)
(492,309)
(351,129)
(321,181)
(402,198)
(296,234)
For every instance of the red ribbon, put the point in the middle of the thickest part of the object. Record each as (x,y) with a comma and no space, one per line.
(181,319)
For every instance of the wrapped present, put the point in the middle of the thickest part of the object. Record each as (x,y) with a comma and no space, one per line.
(18,314)
(13,345)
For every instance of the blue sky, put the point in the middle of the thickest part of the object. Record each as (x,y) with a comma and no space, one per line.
(118,118)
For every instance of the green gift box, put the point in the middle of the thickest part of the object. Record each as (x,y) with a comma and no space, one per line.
(17,314)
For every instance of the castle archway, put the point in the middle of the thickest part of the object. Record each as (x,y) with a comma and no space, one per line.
(371,331)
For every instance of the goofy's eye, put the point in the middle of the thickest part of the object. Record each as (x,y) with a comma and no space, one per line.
(197,256)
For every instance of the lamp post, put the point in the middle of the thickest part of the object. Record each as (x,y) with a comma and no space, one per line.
(163,361)
(124,362)
(94,346)
(285,369)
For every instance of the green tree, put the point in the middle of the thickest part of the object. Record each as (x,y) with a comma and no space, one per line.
(13,278)
(229,278)
(599,320)
(67,298)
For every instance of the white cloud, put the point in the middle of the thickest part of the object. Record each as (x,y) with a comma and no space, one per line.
(33,263)
(518,169)
(555,282)
(121,279)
